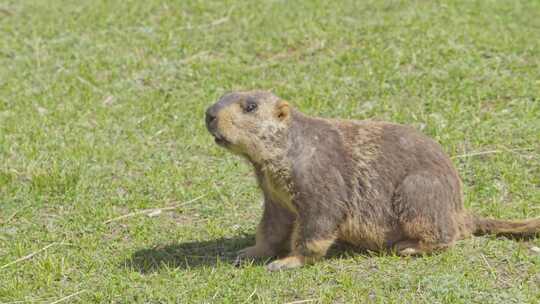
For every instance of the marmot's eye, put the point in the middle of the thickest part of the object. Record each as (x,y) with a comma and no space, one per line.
(250,107)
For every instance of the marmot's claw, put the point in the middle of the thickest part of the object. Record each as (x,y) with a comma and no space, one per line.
(241,260)
(274,266)
(238,261)
(242,256)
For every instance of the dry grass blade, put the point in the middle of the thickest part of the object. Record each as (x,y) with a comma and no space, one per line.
(26,257)
(216,22)
(68,297)
(152,210)
(250,296)
(6,12)
(490,268)
(12,216)
(199,55)
(40,300)
(302,301)
(489,152)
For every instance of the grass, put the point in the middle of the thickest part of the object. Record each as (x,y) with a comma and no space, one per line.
(101,114)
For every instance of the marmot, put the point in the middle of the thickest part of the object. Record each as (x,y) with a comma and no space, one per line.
(375,185)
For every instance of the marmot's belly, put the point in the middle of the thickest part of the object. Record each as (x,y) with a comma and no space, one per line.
(366,235)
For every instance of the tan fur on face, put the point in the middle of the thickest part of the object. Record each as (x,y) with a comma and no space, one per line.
(254,135)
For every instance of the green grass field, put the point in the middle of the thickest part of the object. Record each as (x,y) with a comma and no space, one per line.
(102,114)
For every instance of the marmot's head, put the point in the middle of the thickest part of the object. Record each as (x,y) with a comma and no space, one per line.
(249,123)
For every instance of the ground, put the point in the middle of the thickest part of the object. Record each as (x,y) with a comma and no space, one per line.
(102,115)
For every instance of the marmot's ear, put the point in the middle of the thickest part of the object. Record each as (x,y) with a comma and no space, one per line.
(283,109)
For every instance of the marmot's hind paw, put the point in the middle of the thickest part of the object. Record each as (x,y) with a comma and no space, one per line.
(249,254)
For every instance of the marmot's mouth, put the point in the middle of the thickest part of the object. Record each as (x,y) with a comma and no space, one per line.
(220,140)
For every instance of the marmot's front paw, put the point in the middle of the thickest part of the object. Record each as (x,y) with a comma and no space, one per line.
(285,263)
(246,254)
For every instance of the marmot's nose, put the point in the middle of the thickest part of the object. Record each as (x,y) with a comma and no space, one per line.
(211,118)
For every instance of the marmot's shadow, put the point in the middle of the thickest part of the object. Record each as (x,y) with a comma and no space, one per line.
(189,254)
(207,253)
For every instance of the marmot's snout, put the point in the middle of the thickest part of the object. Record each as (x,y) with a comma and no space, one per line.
(211,119)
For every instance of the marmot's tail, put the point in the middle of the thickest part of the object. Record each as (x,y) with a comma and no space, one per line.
(513,229)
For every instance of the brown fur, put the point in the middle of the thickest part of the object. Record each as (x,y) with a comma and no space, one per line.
(375,185)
